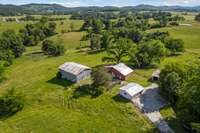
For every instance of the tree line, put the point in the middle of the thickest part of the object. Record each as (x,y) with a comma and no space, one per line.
(126,39)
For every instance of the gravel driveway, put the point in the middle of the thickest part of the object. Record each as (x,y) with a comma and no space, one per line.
(150,102)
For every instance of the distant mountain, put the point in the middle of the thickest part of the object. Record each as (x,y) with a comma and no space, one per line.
(59,9)
(44,7)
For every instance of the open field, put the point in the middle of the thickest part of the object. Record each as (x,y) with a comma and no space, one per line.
(49,104)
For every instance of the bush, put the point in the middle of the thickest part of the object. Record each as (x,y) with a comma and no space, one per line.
(174,23)
(10,103)
(53,49)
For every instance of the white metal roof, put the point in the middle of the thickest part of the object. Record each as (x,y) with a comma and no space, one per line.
(123,69)
(132,89)
(73,68)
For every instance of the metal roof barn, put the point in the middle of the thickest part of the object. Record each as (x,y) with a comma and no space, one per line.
(123,69)
(131,90)
(156,75)
(74,72)
(120,71)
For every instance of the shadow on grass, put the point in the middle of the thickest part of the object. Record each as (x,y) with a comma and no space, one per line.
(86,90)
(61,82)
(120,99)
(176,125)
(94,51)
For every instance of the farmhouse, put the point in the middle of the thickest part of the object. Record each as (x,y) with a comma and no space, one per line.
(74,72)
(131,90)
(120,71)
(155,76)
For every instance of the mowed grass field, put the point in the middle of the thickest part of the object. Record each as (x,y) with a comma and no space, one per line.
(49,103)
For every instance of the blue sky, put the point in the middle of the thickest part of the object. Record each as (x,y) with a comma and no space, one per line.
(75,3)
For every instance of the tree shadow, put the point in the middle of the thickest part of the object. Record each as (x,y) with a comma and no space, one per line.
(177,125)
(120,99)
(86,90)
(61,82)
(91,52)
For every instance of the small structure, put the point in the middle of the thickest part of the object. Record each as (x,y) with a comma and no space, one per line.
(156,75)
(120,71)
(74,72)
(131,90)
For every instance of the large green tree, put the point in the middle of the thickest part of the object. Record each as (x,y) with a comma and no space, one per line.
(148,52)
(119,50)
(11,41)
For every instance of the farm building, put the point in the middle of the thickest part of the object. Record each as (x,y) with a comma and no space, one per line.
(155,76)
(131,90)
(120,71)
(74,72)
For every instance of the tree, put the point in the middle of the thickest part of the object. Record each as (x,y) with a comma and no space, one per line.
(147,53)
(72,26)
(52,49)
(189,100)
(197,17)
(97,25)
(171,80)
(1,71)
(106,39)
(118,50)
(10,40)
(174,45)
(95,42)
(10,103)
(101,77)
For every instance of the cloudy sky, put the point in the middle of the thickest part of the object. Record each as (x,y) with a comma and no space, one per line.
(75,3)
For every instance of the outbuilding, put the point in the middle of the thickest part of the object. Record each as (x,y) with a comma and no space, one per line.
(156,75)
(74,72)
(120,71)
(131,90)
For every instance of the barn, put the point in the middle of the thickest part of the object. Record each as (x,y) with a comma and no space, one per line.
(131,90)
(74,72)
(120,71)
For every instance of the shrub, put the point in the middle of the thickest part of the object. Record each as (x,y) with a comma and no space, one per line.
(10,103)
(53,49)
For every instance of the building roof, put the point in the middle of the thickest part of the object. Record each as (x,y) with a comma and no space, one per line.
(73,68)
(123,69)
(156,73)
(132,89)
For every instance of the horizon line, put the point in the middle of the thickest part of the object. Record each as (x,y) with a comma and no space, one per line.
(41,3)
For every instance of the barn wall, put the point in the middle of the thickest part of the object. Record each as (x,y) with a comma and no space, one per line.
(125,95)
(83,75)
(118,74)
(68,76)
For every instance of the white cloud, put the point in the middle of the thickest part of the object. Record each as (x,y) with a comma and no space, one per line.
(181,2)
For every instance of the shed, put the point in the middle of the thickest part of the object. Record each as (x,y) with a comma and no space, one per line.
(156,75)
(131,90)
(74,72)
(120,71)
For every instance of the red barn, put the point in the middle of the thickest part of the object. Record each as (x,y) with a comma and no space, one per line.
(120,71)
